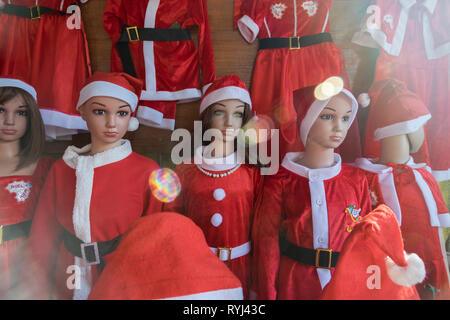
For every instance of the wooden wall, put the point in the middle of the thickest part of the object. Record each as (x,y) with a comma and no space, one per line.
(232,54)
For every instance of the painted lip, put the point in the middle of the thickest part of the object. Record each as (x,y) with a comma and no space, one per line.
(336,138)
(110,134)
(228,132)
(9,131)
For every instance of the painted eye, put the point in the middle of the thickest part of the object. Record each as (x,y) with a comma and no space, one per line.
(239,115)
(219,112)
(123,113)
(345,118)
(22,113)
(2,110)
(326,116)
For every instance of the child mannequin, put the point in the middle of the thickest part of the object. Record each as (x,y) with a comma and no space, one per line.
(313,201)
(22,174)
(219,193)
(409,189)
(91,195)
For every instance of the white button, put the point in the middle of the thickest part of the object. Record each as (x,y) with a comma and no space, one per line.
(219,194)
(216,219)
(321,240)
(319,202)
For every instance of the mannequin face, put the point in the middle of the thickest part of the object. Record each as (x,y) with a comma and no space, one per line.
(107,120)
(415,140)
(227,116)
(13,119)
(331,126)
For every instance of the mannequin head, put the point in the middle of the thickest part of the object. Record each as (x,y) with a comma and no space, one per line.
(21,124)
(330,128)
(107,119)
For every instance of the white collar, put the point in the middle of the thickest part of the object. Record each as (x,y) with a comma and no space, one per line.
(371,165)
(215,164)
(312,174)
(73,154)
(429,4)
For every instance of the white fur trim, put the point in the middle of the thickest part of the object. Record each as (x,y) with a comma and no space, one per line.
(441,175)
(316,108)
(107,89)
(133,125)
(168,124)
(149,55)
(223,294)
(205,87)
(444,220)
(248,28)
(398,128)
(230,92)
(8,82)
(181,96)
(364,100)
(409,275)
(215,164)
(321,174)
(63,120)
(149,114)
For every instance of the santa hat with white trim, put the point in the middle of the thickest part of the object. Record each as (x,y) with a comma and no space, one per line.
(312,100)
(117,85)
(224,88)
(17,82)
(165,256)
(394,109)
(373,265)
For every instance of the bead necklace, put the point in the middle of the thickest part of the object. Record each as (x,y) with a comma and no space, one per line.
(218,175)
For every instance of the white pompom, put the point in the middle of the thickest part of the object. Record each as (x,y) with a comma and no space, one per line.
(410,275)
(133,125)
(364,100)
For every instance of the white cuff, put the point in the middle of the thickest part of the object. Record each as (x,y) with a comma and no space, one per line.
(248,28)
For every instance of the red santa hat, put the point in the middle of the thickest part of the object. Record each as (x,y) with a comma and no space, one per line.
(394,109)
(117,85)
(17,82)
(373,264)
(165,256)
(312,100)
(226,87)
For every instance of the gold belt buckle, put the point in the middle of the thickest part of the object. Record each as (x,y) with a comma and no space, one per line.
(291,47)
(1,235)
(329,257)
(219,249)
(129,35)
(38,10)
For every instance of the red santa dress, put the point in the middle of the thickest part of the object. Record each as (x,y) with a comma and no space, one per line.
(222,206)
(170,69)
(278,72)
(89,201)
(18,199)
(49,50)
(415,48)
(315,209)
(411,191)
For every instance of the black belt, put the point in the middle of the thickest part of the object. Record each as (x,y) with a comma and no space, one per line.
(294,42)
(28,12)
(132,34)
(92,253)
(14,231)
(320,258)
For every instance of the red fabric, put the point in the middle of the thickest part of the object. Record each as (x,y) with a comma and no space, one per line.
(46,52)
(13,211)
(374,238)
(418,234)
(197,202)
(176,64)
(286,204)
(429,79)
(162,256)
(236,12)
(278,73)
(120,195)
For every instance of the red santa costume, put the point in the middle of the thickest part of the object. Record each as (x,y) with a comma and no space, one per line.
(415,48)
(373,264)
(409,189)
(314,209)
(44,43)
(18,197)
(296,51)
(218,194)
(147,44)
(88,202)
(165,256)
